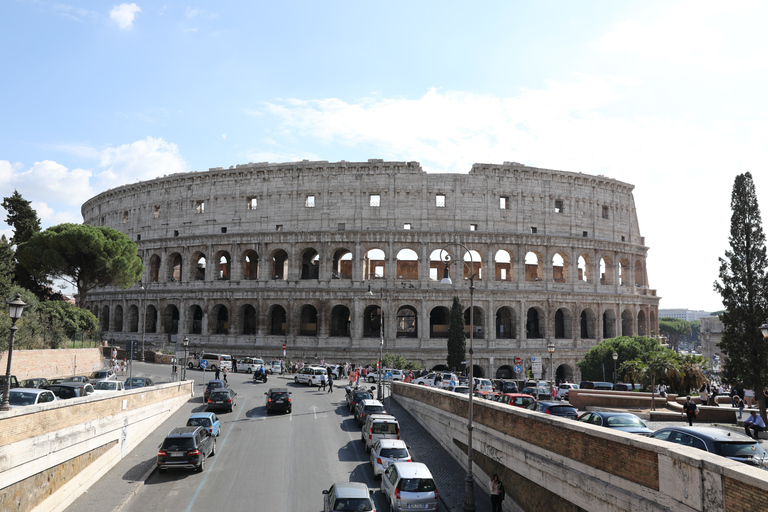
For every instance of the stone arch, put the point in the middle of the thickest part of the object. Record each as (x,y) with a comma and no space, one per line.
(310,264)
(623,272)
(504,265)
(534,323)
(563,324)
(133,318)
(563,373)
(505,372)
(534,266)
(195,313)
(250,265)
(587,324)
(342,264)
(561,271)
(250,320)
(154,268)
(280,262)
(224,265)
(407,322)
(585,268)
(219,319)
(118,318)
(473,264)
(506,323)
(308,320)
(626,323)
(407,265)
(171,319)
(198,266)
(341,321)
(609,324)
(439,321)
(606,270)
(104,319)
(478,372)
(639,274)
(479,322)
(652,322)
(436,265)
(374,264)
(372,322)
(175,262)
(277,320)
(641,330)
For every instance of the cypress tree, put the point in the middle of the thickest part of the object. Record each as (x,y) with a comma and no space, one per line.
(457,345)
(22,217)
(743,286)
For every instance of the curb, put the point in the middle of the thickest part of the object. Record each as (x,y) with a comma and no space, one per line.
(136,489)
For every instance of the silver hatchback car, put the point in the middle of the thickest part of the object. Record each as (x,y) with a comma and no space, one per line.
(387,451)
(348,497)
(409,486)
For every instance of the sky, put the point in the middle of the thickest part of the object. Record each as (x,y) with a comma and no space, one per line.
(669,96)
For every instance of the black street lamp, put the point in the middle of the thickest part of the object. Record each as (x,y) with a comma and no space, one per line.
(144,317)
(185,344)
(615,357)
(551,350)
(379,392)
(469,491)
(16,307)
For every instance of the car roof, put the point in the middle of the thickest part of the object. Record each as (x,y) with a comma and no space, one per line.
(29,390)
(214,380)
(278,390)
(550,403)
(183,431)
(515,395)
(392,443)
(351,490)
(201,415)
(714,433)
(412,470)
(370,401)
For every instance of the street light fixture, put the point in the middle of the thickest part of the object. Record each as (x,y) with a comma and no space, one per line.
(16,307)
(469,491)
(551,349)
(144,316)
(764,329)
(379,392)
(185,343)
(615,357)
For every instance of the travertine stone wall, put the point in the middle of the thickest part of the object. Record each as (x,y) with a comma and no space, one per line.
(290,252)
(28,364)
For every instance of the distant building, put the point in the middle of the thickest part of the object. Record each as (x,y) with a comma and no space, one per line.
(688,315)
(711,335)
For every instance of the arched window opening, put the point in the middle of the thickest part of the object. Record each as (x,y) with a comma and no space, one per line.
(277,321)
(559,269)
(341,321)
(563,324)
(373,264)
(225,263)
(436,265)
(503,265)
(221,314)
(372,322)
(342,264)
(407,265)
(585,274)
(641,330)
(609,324)
(308,326)
(606,270)
(133,319)
(104,320)
(199,264)
(587,324)
(439,321)
(406,323)
(534,324)
(118,318)
(478,321)
(623,272)
(505,372)
(197,320)
(249,320)
(506,324)
(563,373)
(150,322)
(310,264)
(251,269)
(533,270)
(626,323)
(174,271)
(280,265)
(639,274)
(474,265)
(171,319)
(154,268)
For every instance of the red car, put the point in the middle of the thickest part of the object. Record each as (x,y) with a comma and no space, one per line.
(516,399)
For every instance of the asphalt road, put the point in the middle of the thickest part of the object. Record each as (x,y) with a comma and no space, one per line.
(276,462)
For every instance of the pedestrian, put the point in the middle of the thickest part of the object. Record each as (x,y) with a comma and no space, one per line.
(218,373)
(749,396)
(173,372)
(224,371)
(497,493)
(703,394)
(690,409)
(322,382)
(733,394)
(234,365)
(755,423)
(124,367)
(330,383)
(357,377)
(739,403)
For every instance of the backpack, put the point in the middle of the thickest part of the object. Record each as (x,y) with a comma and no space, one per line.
(502,492)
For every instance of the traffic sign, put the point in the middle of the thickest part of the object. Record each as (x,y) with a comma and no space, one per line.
(518,361)
(388,376)
(518,368)
(204,363)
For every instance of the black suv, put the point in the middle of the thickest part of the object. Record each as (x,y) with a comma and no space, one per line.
(278,399)
(504,386)
(187,448)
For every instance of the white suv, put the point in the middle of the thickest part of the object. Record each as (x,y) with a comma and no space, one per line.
(563,389)
(396,375)
(309,375)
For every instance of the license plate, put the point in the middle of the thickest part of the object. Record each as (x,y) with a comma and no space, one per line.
(279,401)
(417,505)
(177,454)
(219,401)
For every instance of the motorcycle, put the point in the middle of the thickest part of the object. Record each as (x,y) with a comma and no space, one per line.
(258,376)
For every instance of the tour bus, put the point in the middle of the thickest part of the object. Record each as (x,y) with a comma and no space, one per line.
(214,361)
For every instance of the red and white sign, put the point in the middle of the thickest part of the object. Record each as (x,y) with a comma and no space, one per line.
(518,360)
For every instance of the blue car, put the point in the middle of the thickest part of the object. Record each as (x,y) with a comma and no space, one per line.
(205,419)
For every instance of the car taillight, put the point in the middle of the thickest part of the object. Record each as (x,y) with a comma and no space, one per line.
(269,399)
(289,400)
(229,401)
(547,411)
(398,435)
(435,493)
(161,453)
(378,461)
(408,459)
(209,401)
(194,452)
(370,433)
(210,429)
(397,494)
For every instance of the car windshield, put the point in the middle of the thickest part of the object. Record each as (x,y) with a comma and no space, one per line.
(99,375)
(416,485)
(359,397)
(279,396)
(179,444)
(106,386)
(21,398)
(353,504)
(561,409)
(394,453)
(215,384)
(624,421)
(742,450)
(198,422)
(134,382)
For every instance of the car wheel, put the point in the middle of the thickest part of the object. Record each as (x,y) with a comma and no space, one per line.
(248,371)
(213,450)
(190,366)
(371,380)
(201,466)
(296,380)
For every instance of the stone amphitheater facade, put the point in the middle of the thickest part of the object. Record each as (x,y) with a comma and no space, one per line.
(310,255)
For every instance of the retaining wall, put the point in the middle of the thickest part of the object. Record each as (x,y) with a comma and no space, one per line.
(50,364)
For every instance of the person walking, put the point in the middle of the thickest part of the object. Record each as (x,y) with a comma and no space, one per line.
(234,365)
(739,403)
(755,423)
(322,382)
(174,369)
(224,371)
(690,409)
(497,493)
(218,373)
(330,383)
(703,394)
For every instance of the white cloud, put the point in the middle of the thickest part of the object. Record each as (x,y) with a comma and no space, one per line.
(124,15)
(141,160)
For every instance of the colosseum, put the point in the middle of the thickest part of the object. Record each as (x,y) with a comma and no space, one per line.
(328,260)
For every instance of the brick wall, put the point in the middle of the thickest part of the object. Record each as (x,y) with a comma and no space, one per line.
(50,364)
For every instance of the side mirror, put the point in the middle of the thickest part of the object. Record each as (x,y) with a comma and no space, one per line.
(325,492)
(265,392)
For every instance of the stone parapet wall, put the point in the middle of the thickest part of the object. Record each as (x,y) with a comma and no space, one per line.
(559,464)
(27,364)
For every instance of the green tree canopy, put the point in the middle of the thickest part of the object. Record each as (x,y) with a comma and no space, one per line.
(7,266)
(743,286)
(86,256)
(22,217)
(674,329)
(628,348)
(457,338)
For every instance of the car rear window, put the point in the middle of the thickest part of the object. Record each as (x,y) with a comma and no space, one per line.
(416,485)
(199,422)
(21,398)
(394,453)
(384,428)
(214,385)
(279,396)
(353,504)
(746,449)
(562,409)
(374,408)
(359,397)
(108,386)
(179,444)
(220,395)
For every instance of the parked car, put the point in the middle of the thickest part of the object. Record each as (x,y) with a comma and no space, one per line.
(540,392)
(485,395)
(396,375)
(516,399)
(587,384)
(37,382)
(444,382)
(20,397)
(102,375)
(624,421)
(622,386)
(387,451)
(367,407)
(555,408)
(409,486)
(212,385)
(108,386)
(563,390)
(138,382)
(67,390)
(482,384)
(78,378)
(277,367)
(310,375)
(57,380)
(279,399)
(379,426)
(355,396)
(186,448)
(14,382)
(249,364)
(221,399)
(719,441)
(464,390)
(347,497)
(504,386)
(335,370)
(207,420)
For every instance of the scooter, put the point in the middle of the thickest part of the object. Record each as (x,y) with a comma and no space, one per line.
(258,376)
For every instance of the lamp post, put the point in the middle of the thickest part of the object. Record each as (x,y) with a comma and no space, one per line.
(469,491)
(551,350)
(615,357)
(16,307)
(764,329)
(144,316)
(185,343)
(379,392)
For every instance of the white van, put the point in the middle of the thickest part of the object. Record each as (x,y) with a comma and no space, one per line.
(214,361)
(249,364)
(310,375)
(379,426)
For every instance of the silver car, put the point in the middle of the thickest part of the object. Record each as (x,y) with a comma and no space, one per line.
(409,486)
(348,497)
(387,451)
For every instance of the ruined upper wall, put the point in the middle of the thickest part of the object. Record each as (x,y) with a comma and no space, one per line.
(264,197)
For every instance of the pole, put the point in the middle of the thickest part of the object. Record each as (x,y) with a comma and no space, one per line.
(380,393)
(469,492)
(6,406)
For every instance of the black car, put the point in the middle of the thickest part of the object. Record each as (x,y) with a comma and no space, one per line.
(278,399)
(355,396)
(37,382)
(555,409)
(366,407)
(186,448)
(221,399)
(504,386)
(138,382)
(719,441)
(212,385)
(70,389)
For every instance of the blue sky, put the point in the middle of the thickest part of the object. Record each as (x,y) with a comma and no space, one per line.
(666,95)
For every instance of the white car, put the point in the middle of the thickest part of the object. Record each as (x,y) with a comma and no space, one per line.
(387,451)
(447,380)
(108,386)
(563,389)
(249,364)
(309,375)
(396,375)
(482,384)
(20,397)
